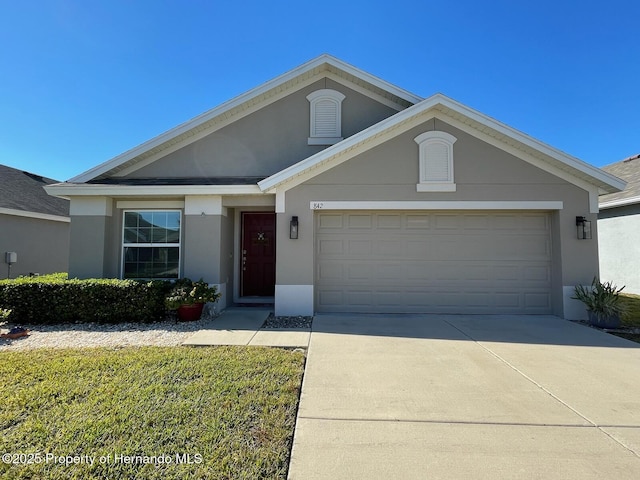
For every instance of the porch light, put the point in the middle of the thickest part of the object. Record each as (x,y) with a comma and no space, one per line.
(293,228)
(584,228)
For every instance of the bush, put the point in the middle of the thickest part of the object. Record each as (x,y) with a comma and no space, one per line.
(55,299)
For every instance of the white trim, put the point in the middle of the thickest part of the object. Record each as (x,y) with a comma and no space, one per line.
(178,245)
(323,140)
(221,303)
(572,309)
(435,205)
(621,202)
(249,201)
(84,189)
(294,300)
(419,113)
(334,98)
(280,201)
(535,161)
(246,98)
(90,206)
(435,187)
(39,216)
(203,205)
(424,141)
(133,204)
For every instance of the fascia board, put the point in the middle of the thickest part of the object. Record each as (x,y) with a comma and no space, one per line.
(367,77)
(36,215)
(573,162)
(621,202)
(71,190)
(235,102)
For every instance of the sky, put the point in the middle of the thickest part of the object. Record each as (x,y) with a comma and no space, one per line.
(82,81)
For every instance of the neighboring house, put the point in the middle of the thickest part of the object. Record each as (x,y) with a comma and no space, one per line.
(33,224)
(619,228)
(330,190)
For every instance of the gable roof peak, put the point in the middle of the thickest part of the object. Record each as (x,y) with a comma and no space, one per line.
(249,99)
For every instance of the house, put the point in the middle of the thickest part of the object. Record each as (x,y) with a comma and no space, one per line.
(33,225)
(619,228)
(328,189)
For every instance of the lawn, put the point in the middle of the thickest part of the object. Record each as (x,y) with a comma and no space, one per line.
(148,413)
(631,318)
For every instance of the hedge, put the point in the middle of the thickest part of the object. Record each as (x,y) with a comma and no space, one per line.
(56,299)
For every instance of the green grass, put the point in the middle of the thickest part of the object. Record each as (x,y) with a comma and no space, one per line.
(631,317)
(232,409)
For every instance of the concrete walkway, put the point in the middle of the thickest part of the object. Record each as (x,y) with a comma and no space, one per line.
(242,326)
(466,397)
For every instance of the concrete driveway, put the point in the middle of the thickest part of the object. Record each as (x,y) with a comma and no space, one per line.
(466,396)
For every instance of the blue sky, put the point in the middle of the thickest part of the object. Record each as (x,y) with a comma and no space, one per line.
(82,81)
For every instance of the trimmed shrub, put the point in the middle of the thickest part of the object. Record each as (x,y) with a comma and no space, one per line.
(55,299)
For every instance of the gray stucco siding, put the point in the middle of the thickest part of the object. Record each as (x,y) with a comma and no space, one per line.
(42,245)
(482,173)
(92,254)
(266,141)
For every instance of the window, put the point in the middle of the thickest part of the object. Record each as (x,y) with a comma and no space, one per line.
(326,117)
(436,162)
(151,244)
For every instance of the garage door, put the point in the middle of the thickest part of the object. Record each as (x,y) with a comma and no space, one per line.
(449,262)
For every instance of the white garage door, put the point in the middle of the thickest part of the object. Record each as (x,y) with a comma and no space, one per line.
(449,262)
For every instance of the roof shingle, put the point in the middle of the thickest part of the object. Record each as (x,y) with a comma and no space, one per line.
(629,171)
(20,190)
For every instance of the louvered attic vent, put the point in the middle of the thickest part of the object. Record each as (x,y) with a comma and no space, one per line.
(436,162)
(326,117)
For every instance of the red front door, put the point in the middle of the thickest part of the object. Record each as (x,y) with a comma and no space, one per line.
(258,261)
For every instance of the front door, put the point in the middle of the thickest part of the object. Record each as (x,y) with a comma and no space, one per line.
(258,260)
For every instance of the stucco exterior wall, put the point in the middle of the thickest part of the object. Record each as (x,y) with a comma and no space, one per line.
(90,239)
(619,247)
(267,141)
(42,245)
(482,173)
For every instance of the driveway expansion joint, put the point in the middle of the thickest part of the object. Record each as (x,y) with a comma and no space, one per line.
(552,395)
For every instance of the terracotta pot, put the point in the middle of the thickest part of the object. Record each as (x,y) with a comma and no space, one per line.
(189,313)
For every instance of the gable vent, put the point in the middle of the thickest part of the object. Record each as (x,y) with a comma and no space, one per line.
(326,119)
(437,163)
(325,122)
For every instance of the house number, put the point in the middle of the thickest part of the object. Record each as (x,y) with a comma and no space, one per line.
(317,205)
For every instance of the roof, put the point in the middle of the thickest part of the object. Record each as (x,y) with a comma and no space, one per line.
(412,110)
(461,116)
(629,171)
(208,122)
(24,191)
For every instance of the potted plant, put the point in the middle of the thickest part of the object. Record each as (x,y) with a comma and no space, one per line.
(188,298)
(603,303)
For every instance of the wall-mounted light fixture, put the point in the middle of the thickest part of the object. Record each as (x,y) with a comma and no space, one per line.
(293,228)
(583,227)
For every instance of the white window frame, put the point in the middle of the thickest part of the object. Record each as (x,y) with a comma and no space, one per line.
(425,141)
(336,98)
(173,245)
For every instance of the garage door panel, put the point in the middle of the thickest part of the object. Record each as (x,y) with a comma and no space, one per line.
(460,262)
(356,221)
(360,248)
(416,221)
